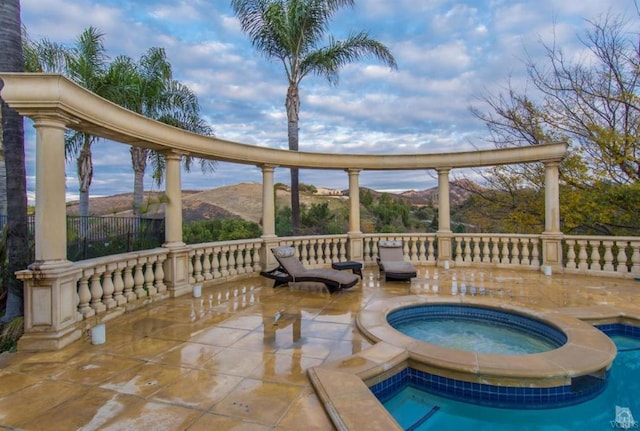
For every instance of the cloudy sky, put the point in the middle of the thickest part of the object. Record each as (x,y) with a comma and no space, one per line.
(449,54)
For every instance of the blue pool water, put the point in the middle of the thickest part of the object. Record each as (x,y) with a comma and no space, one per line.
(474,335)
(417,410)
(476,329)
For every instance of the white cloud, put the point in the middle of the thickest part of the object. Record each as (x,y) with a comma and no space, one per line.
(448,53)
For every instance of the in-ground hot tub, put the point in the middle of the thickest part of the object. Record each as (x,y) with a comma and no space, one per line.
(573,368)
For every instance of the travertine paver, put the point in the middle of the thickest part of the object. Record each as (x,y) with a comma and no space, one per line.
(237,357)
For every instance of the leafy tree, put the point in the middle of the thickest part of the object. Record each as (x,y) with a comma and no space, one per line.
(148,88)
(591,104)
(219,230)
(12,60)
(292,32)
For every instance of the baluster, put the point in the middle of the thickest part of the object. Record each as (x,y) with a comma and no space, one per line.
(467,249)
(224,262)
(608,256)
(525,252)
(405,249)
(414,248)
(232,260)
(486,255)
(422,249)
(332,255)
(367,250)
(595,257)
(535,253)
(635,258)
(192,256)
(432,250)
(240,258)
(129,283)
(342,249)
(84,296)
(108,289)
(495,250)
(159,274)
(459,257)
(476,249)
(571,254)
(304,252)
(257,264)
(582,255)
(621,258)
(374,250)
(149,276)
(118,285)
(206,264)
(96,293)
(215,262)
(505,251)
(138,280)
(197,266)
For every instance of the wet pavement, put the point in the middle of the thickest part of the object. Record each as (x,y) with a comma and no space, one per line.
(236,358)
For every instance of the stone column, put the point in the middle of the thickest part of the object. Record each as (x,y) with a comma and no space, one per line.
(552,236)
(173,207)
(268,202)
(269,237)
(551,198)
(50,283)
(51,209)
(445,236)
(356,249)
(176,267)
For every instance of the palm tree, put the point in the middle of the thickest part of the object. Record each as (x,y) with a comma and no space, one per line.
(148,88)
(291,31)
(85,63)
(11,60)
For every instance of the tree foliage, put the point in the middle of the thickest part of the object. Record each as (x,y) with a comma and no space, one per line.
(219,230)
(590,103)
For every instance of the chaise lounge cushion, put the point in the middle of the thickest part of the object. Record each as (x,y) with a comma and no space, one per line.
(391,261)
(292,270)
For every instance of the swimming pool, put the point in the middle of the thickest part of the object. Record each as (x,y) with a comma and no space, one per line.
(417,410)
(573,372)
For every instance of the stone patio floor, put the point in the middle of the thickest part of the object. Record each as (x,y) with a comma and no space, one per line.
(236,358)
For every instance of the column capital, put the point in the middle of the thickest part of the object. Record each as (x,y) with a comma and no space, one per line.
(551,162)
(267,167)
(444,169)
(51,119)
(172,154)
(353,171)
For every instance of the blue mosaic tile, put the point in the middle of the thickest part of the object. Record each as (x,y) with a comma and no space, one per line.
(581,389)
(620,329)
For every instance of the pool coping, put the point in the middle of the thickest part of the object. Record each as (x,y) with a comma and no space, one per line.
(343,386)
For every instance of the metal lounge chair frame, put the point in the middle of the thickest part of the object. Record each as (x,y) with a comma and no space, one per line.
(391,261)
(291,270)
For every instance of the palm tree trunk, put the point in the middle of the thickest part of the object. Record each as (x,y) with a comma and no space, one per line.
(293,110)
(11,60)
(3,176)
(85,175)
(139,162)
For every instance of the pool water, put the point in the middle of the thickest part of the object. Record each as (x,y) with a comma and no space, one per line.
(417,410)
(475,335)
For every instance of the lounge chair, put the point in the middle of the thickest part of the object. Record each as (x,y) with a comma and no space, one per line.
(391,261)
(291,270)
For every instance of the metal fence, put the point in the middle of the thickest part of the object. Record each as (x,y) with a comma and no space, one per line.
(93,236)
